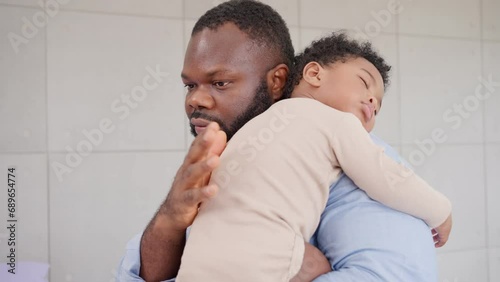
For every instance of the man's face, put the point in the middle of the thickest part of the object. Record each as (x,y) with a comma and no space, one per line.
(224,73)
(354,86)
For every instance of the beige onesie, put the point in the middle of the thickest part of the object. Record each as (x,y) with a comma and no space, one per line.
(274,179)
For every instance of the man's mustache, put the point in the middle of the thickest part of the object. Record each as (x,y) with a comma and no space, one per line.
(204,116)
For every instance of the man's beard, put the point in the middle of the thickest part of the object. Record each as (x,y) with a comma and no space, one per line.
(261,102)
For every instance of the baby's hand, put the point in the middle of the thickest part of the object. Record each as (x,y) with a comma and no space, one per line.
(442,232)
(314,264)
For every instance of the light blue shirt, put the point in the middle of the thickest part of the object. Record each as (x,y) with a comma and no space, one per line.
(367,241)
(363,240)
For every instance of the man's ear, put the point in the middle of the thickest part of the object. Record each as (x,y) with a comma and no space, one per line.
(276,81)
(312,74)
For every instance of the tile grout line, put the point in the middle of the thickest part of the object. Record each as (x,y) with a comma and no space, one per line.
(180,150)
(446,37)
(183,150)
(299,23)
(399,85)
(93,152)
(47,152)
(454,144)
(300,26)
(192,18)
(107,13)
(414,35)
(495,41)
(485,174)
(10,5)
(93,12)
(469,249)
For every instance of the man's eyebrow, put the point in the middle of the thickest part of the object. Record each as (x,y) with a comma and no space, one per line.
(218,72)
(210,74)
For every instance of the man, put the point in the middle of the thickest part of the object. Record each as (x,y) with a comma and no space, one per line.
(236,65)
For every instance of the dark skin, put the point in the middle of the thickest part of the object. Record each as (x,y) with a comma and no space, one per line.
(222,70)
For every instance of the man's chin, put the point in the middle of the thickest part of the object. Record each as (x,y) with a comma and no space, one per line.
(195,130)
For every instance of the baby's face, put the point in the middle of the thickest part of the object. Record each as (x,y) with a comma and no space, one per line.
(355,86)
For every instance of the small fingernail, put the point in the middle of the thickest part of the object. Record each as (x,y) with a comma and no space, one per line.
(210,190)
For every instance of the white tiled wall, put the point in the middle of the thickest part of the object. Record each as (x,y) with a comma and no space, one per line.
(467,266)
(28,3)
(491,20)
(454,170)
(436,74)
(494,257)
(68,79)
(22,88)
(158,8)
(493,193)
(491,67)
(31,212)
(356,14)
(79,42)
(445,18)
(100,206)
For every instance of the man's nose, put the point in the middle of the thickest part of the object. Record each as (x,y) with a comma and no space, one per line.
(200,98)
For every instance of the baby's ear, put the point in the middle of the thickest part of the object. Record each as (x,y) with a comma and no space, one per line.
(312,73)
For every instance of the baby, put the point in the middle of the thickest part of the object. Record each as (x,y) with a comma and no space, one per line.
(274,175)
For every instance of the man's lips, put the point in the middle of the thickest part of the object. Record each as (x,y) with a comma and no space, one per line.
(368,110)
(199,124)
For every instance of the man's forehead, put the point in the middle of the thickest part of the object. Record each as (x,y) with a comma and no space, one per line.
(223,50)
(227,31)
(225,41)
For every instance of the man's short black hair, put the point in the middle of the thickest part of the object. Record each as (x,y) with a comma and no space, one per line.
(258,20)
(333,48)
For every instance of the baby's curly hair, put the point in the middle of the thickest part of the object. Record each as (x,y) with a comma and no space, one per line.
(331,49)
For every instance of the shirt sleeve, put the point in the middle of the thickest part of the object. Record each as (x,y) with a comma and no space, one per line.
(349,235)
(382,178)
(389,151)
(130,265)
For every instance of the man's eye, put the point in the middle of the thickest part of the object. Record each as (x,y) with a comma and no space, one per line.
(221,83)
(189,86)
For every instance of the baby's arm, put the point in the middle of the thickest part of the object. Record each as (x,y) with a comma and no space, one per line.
(382,178)
(314,265)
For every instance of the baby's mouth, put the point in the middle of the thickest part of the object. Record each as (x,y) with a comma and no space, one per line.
(368,111)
